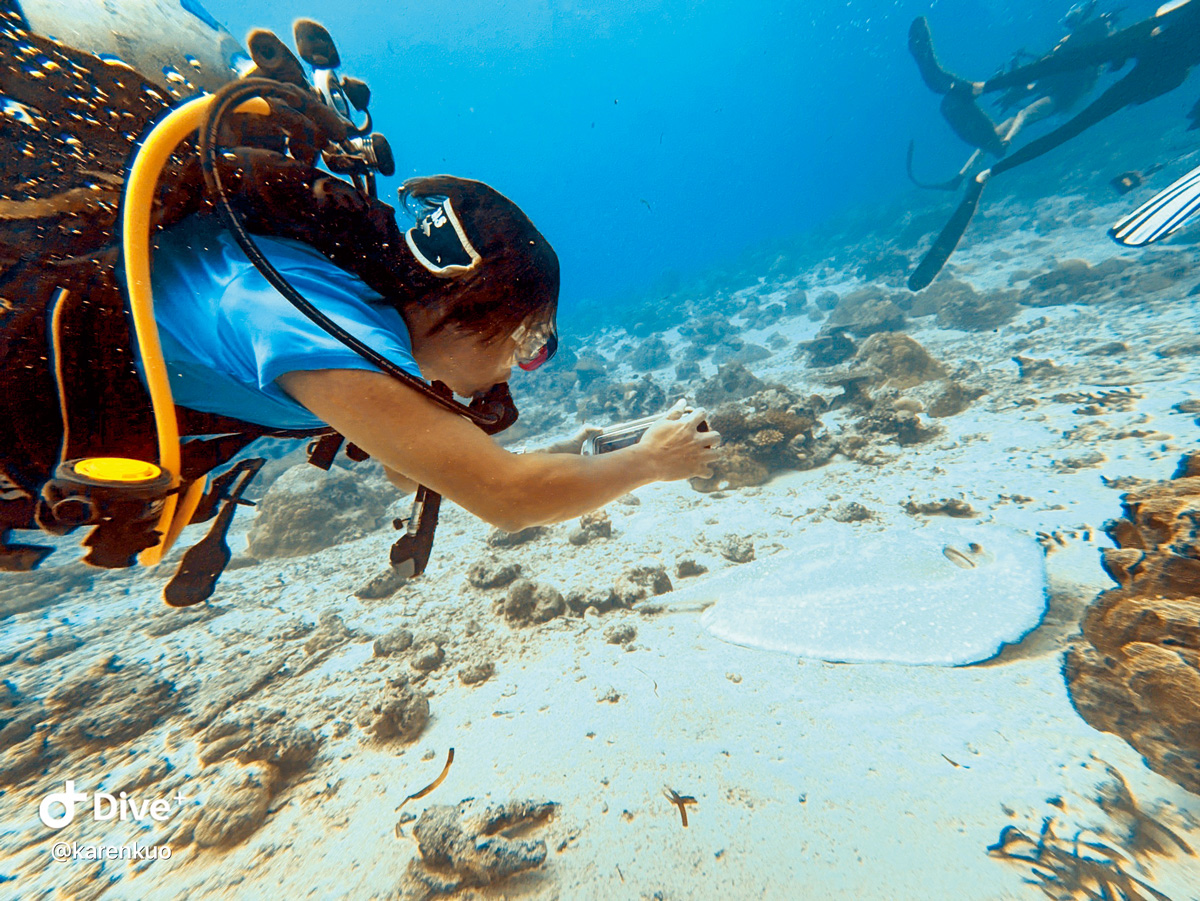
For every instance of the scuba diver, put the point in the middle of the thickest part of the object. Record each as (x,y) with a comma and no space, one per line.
(1052,95)
(1164,48)
(179,279)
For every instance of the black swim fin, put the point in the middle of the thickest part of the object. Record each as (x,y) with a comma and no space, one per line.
(952,184)
(937,255)
(920,45)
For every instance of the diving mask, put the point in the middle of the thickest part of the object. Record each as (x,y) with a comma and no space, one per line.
(536,344)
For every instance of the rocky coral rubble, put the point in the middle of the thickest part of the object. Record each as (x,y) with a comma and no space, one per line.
(1135,671)
(770,431)
(528,603)
(307,510)
(957,304)
(109,703)
(250,754)
(396,713)
(464,847)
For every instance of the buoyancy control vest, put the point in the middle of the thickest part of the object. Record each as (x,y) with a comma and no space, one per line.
(71,386)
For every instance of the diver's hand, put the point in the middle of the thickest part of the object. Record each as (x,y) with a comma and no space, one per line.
(674,448)
(572,445)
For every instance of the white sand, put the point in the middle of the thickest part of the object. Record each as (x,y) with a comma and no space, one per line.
(812,780)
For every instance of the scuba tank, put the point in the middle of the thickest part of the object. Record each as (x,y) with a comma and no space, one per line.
(149,36)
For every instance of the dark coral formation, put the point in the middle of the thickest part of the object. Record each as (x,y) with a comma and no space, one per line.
(501,538)
(262,734)
(331,632)
(898,361)
(109,703)
(953,399)
(733,381)
(382,586)
(866,311)
(477,673)
(397,641)
(307,510)
(640,582)
(709,332)
(463,847)
(398,713)
(253,752)
(830,347)
(528,603)
(43,587)
(652,353)
(903,425)
(1135,671)
(744,353)
(772,430)
(234,808)
(1074,281)
(958,305)
(951,506)
(591,526)
(623,400)
(427,656)
(736,548)
(589,367)
(491,573)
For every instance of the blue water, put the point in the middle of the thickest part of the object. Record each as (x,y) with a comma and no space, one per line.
(651,139)
(673,149)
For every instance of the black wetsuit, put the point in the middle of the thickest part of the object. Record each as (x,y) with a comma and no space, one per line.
(1164,50)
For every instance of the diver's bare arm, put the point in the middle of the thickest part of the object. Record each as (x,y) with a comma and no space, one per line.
(410,434)
(400,480)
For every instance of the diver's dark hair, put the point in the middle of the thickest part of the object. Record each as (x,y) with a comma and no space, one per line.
(515,278)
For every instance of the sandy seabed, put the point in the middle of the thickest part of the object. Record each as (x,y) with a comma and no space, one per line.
(811,779)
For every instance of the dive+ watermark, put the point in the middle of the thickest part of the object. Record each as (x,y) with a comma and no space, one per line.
(64,851)
(57,809)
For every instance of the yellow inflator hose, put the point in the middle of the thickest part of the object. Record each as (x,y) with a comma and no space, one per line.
(138,206)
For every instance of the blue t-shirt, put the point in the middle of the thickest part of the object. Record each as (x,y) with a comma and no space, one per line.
(227,334)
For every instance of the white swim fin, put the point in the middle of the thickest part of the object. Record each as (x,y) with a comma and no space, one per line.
(1162,215)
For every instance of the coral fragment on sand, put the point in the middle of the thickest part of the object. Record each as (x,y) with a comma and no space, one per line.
(463,847)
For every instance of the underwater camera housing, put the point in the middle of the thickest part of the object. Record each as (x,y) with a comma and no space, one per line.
(627,434)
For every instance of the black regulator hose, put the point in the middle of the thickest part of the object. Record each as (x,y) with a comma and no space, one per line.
(490,414)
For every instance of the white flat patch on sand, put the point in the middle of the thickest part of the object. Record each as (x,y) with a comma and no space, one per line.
(937,595)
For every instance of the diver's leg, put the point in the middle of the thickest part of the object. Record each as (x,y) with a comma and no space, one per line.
(1115,49)
(971,123)
(968,165)
(1071,56)
(1035,112)
(1117,97)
